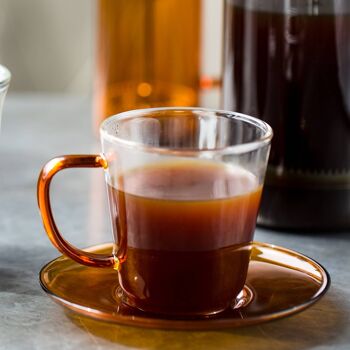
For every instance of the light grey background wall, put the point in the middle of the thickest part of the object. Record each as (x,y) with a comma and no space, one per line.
(48,44)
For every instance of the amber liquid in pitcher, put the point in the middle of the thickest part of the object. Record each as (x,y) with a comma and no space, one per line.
(184,233)
(147,55)
(293,71)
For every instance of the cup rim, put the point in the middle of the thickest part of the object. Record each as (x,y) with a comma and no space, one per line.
(5,77)
(246,147)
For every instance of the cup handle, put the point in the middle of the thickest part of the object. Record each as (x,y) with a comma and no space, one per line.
(47,173)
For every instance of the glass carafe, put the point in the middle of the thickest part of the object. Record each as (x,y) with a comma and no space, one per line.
(288,63)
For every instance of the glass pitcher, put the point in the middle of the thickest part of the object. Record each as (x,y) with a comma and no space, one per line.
(288,63)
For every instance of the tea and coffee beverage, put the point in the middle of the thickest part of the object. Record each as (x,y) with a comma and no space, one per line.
(289,64)
(147,55)
(184,229)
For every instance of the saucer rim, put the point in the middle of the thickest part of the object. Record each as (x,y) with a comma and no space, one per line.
(155,322)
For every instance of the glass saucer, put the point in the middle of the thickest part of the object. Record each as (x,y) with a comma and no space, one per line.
(280,282)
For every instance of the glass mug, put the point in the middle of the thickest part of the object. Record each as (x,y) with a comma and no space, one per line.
(184,188)
(5,77)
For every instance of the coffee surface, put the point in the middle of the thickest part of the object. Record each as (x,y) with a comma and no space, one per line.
(181,227)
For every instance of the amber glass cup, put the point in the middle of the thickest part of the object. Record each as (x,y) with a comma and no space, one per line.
(147,55)
(184,188)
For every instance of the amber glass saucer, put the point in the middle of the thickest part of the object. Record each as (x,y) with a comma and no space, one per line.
(280,283)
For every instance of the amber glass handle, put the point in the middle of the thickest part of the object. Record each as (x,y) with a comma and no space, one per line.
(47,173)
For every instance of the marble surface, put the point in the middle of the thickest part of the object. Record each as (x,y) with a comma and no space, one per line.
(36,128)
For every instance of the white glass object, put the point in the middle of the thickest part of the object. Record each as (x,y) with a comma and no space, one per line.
(5,77)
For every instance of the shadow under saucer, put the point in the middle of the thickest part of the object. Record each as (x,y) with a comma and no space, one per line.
(318,325)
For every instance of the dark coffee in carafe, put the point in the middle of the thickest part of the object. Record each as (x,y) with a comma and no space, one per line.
(288,62)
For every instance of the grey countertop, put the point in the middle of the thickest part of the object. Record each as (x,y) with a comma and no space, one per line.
(36,128)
